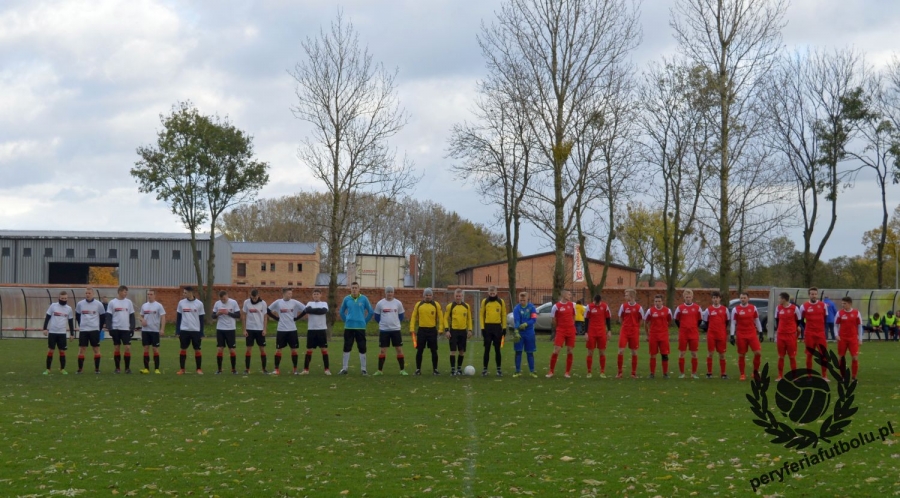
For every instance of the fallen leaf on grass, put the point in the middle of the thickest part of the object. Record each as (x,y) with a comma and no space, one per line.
(566,459)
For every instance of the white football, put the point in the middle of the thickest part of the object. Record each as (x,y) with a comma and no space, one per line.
(469,370)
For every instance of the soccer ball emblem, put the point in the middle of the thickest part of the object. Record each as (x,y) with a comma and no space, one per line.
(803,395)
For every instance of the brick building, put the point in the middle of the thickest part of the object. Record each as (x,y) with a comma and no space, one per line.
(536,272)
(281,264)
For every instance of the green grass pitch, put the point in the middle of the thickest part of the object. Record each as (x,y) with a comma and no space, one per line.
(391,436)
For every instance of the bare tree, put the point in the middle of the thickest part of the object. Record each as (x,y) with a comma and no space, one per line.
(496,154)
(352,106)
(814,104)
(679,146)
(553,54)
(736,41)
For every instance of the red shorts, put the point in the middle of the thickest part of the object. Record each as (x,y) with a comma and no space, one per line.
(659,344)
(629,340)
(716,343)
(815,342)
(750,342)
(849,344)
(564,339)
(596,341)
(688,340)
(787,345)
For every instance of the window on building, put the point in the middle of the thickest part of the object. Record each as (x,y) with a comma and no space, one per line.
(271,266)
(70,253)
(154,254)
(92,253)
(113,253)
(262,283)
(290,267)
(299,266)
(263,267)
(242,269)
(26,252)
(290,284)
(133,254)
(6,252)
(620,281)
(199,255)
(176,254)
(487,278)
(48,252)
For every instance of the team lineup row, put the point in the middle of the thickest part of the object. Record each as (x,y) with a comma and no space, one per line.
(739,326)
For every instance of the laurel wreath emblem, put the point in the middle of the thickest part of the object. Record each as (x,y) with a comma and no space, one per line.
(803,438)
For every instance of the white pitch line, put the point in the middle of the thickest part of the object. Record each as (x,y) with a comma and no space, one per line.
(472,447)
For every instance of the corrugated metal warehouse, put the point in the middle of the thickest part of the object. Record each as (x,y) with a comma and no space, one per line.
(143,259)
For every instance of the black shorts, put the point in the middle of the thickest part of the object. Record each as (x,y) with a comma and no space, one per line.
(121,337)
(57,341)
(190,338)
(290,338)
(357,335)
(317,339)
(225,338)
(91,337)
(150,339)
(458,340)
(255,336)
(493,332)
(426,337)
(388,338)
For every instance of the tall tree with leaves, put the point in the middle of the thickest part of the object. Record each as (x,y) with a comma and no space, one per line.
(352,107)
(736,41)
(201,166)
(554,54)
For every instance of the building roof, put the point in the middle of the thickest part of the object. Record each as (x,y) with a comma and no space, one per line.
(550,253)
(273,247)
(70,234)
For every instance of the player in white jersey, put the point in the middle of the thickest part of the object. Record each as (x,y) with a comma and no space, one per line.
(317,330)
(59,314)
(255,321)
(225,312)
(286,311)
(389,313)
(189,326)
(153,326)
(90,314)
(121,322)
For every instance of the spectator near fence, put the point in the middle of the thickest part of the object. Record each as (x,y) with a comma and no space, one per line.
(874,326)
(891,326)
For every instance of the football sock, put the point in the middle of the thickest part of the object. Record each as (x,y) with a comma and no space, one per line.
(590,361)
(553,358)
(147,360)
(602,363)
(346,360)
(518,361)
(117,359)
(325,358)
(307,359)
(530,361)
(487,354)
(233,359)
(127,360)
(49,359)
(665,367)
(809,361)
(569,358)
(247,360)
(434,358)
(294,358)
(722,365)
(182,356)
(263,359)
(401,361)
(793,363)
(62,360)
(854,367)
(419,353)
(681,365)
(653,365)
(277,359)
(156,361)
(497,360)
(781,366)
(198,358)
(362,361)
(459,360)
(742,364)
(452,363)
(80,361)
(693,366)
(757,359)
(219,359)
(619,361)
(634,362)
(381,362)
(709,365)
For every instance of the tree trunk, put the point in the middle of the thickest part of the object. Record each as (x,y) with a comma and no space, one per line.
(201,291)
(211,267)
(879,260)
(334,258)
(724,178)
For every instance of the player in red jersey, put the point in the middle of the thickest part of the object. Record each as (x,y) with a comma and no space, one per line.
(597,318)
(716,318)
(563,314)
(630,316)
(656,321)
(814,312)
(687,317)
(849,332)
(745,320)
(787,315)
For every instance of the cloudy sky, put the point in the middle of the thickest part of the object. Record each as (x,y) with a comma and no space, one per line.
(82,84)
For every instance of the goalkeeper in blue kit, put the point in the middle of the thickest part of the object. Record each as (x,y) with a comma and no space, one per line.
(524,318)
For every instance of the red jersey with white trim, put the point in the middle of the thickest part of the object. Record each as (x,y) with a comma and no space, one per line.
(850,324)
(716,318)
(631,316)
(658,319)
(745,319)
(787,319)
(597,314)
(814,313)
(689,316)
(565,317)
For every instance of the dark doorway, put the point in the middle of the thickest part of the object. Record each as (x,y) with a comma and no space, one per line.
(73,273)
